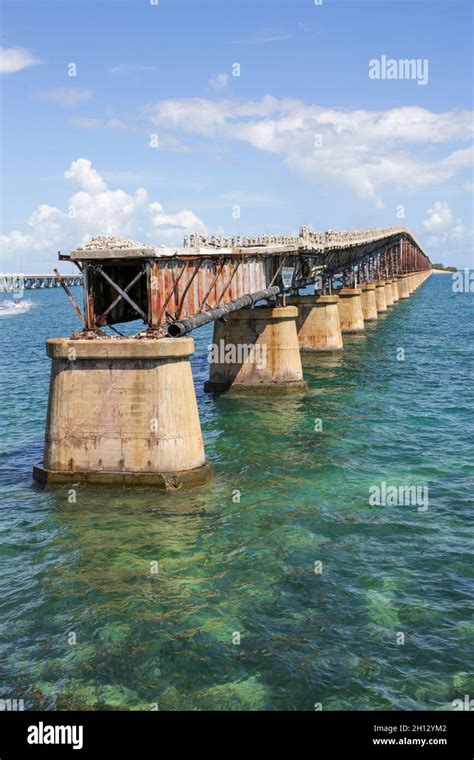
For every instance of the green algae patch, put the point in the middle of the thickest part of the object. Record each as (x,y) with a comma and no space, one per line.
(381,610)
(237,695)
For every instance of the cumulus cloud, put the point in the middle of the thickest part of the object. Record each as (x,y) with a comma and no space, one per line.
(92,209)
(13,59)
(365,150)
(439,216)
(64,96)
(219,81)
(446,231)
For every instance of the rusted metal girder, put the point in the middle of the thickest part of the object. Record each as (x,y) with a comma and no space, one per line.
(163,285)
(69,295)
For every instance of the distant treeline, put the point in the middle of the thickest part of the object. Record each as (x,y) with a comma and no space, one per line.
(446,269)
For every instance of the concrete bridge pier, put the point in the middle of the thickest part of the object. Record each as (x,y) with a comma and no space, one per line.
(380,297)
(388,293)
(256,350)
(317,323)
(351,316)
(123,411)
(369,304)
(402,283)
(395,295)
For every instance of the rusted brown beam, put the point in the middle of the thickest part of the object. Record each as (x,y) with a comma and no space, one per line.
(101,318)
(227,286)
(123,294)
(168,298)
(217,275)
(69,295)
(186,288)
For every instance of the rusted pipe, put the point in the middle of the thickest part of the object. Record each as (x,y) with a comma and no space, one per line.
(184,326)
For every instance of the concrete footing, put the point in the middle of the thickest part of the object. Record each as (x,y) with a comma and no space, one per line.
(317,323)
(123,411)
(351,316)
(395,295)
(369,304)
(256,351)
(380,297)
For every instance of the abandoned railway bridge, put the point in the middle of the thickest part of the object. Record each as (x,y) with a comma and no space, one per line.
(123,410)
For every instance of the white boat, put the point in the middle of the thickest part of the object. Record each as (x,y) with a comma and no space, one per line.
(9,308)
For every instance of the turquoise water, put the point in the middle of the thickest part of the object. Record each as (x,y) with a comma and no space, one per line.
(225,567)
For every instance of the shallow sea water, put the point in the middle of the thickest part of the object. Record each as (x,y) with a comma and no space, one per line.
(248,567)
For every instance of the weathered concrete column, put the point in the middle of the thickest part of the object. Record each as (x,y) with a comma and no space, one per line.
(123,411)
(388,293)
(403,290)
(395,295)
(351,315)
(256,350)
(317,323)
(369,304)
(410,284)
(380,298)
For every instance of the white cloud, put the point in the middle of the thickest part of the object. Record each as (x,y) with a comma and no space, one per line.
(439,216)
(88,178)
(91,210)
(65,96)
(447,233)
(184,220)
(367,151)
(15,59)
(219,81)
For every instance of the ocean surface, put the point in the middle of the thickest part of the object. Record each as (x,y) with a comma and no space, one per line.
(89,620)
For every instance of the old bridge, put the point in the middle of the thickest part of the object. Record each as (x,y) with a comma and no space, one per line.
(124,409)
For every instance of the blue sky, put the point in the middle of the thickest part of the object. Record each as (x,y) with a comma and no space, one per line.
(302,136)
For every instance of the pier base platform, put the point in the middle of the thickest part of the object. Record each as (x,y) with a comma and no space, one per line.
(165,481)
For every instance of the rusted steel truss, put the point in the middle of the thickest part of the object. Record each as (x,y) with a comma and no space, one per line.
(162,286)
